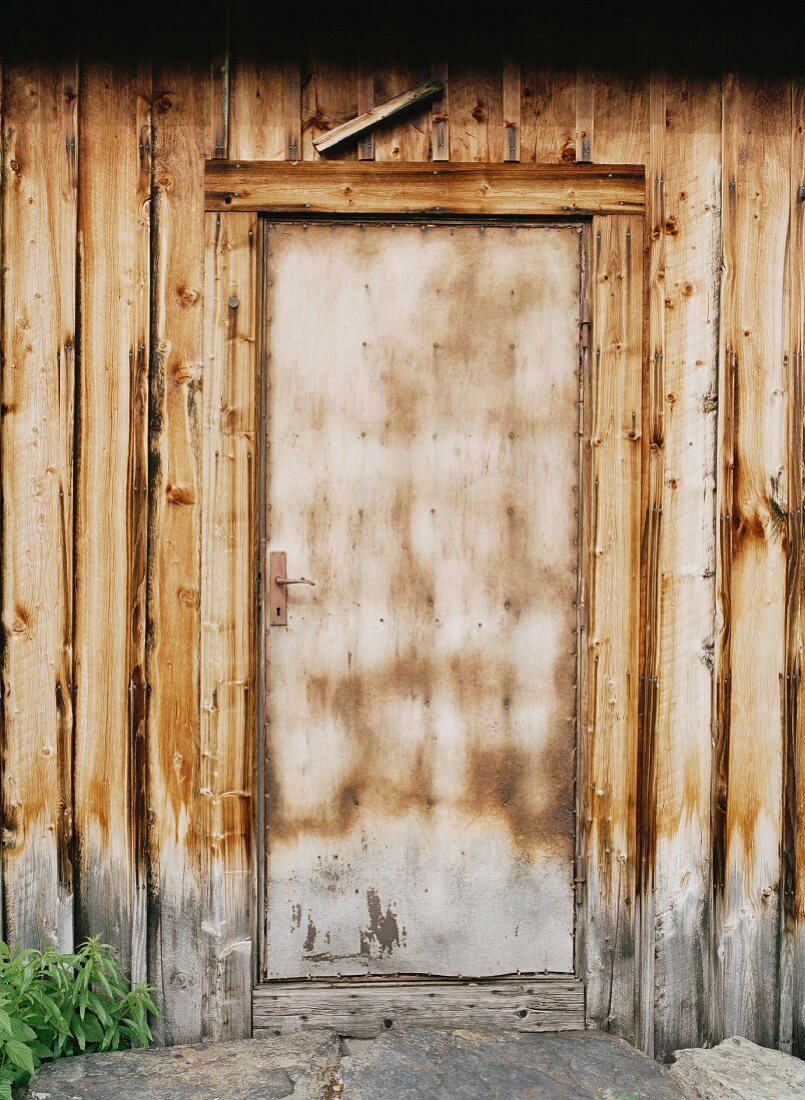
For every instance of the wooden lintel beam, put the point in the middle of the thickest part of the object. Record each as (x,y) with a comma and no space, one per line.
(357,126)
(349,187)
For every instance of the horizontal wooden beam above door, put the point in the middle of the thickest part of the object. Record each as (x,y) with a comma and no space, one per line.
(524,190)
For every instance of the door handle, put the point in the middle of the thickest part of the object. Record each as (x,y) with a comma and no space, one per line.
(278,584)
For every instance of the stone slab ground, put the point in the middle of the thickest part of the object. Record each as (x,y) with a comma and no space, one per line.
(399,1065)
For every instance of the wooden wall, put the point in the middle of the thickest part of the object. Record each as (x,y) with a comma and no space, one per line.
(127,458)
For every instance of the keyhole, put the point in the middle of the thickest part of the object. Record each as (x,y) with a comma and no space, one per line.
(279,612)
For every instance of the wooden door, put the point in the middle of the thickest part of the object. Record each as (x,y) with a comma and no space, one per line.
(422,467)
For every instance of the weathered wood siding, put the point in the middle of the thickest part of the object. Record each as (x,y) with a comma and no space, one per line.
(128,467)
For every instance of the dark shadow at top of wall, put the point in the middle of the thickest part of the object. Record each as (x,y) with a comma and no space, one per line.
(707,36)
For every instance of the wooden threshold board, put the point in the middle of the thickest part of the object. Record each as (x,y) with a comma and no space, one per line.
(363,1009)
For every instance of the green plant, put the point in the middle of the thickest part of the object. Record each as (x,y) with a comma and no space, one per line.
(54,1006)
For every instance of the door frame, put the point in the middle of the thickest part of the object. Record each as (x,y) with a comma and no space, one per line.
(618,570)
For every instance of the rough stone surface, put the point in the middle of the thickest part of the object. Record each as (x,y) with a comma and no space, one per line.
(468,1065)
(739,1070)
(400,1065)
(303,1066)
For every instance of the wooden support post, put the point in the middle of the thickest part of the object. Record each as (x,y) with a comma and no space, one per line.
(613,639)
(228,568)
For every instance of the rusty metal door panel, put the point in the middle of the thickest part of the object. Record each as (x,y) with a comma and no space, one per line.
(422,469)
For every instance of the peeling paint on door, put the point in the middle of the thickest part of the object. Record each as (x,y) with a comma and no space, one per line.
(422,469)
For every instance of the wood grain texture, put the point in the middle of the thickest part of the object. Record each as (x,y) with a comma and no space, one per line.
(366,100)
(613,608)
(687,224)
(621,119)
(794,806)
(182,140)
(525,189)
(373,116)
(756,152)
(548,116)
(585,116)
(264,86)
(652,472)
(476,112)
(111,507)
(440,116)
(36,448)
(511,110)
(228,569)
(407,140)
(329,97)
(362,1009)
(256,119)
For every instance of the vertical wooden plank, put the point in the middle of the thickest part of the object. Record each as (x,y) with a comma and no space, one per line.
(653,465)
(36,449)
(366,100)
(406,139)
(292,109)
(621,119)
(613,603)
(111,504)
(792,1023)
(548,113)
(686,221)
(585,115)
(182,136)
(228,567)
(511,109)
(257,86)
(219,80)
(440,117)
(256,117)
(329,97)
(756,151)
(476,112)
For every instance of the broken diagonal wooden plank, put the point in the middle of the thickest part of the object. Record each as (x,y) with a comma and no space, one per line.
(374,115)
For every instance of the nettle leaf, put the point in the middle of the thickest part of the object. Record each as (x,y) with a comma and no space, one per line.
(22,1031)
(20,1054)
(5,1022)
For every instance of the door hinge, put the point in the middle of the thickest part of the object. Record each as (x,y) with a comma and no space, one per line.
(584,329)
(580,880)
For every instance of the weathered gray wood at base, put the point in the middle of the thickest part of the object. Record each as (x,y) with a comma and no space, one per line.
(365,1009)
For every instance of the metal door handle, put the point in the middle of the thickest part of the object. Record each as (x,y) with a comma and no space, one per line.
(277,588)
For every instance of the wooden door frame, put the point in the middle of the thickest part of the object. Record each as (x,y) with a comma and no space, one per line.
(617,595)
